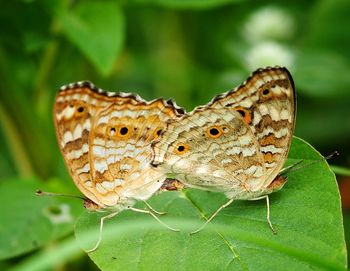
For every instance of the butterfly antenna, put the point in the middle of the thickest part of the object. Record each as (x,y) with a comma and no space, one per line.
(330,156)
(43,193)
(294,167)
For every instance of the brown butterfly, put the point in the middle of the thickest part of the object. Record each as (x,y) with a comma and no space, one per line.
(237,143)
(105,139)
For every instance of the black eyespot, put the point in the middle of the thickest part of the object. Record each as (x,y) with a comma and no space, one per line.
(242,112)
(266,91)
(80,109)
(112,130)
(214,131)
(159,131)
(181,148)
(124,130)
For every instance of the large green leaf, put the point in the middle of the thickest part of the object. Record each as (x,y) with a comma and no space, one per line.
(28,221)
(97,29)
(306,214)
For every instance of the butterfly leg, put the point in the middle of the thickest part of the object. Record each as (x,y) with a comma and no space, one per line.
(154,216)
(152,209)
(212,216)
(267,212)
(101,228)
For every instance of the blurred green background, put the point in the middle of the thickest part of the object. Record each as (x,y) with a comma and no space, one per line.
(187,50)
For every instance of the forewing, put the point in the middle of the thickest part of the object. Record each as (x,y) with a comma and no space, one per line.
(74,108)
(121,150)
(77,108)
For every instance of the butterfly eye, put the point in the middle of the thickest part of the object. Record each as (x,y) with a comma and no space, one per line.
(245,113)
(181,148)
(215,131)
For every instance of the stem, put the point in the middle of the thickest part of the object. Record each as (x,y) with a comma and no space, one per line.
(340,170)
(16,147)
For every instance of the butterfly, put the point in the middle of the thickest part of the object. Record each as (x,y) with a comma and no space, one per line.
(105,139)
(237,143)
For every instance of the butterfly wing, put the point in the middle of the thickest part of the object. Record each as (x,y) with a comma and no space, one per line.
(78,109)
(121,150)
(238,142)
(74,109)
(208,149)
(266,102)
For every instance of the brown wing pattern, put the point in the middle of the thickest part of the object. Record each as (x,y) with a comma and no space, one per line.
(79,113)
(121,151)
(208,149)
(238,142)
(266,102)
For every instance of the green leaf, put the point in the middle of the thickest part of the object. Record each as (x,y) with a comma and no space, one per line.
(306,214)
(29,221)
(97,29)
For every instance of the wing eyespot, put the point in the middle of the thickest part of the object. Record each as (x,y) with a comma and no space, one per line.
(225,129)
(245,113)
(157,132)
(265,92)
(119,131)
(112,131)
(182,148)
(215,131)
(80,110)
(123,131)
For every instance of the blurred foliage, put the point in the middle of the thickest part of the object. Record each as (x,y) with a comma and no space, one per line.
(188,50)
